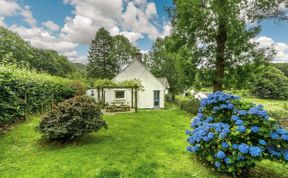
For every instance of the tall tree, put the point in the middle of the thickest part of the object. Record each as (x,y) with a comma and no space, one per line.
(222,31)
(171,59)
(101,63)
(123,51)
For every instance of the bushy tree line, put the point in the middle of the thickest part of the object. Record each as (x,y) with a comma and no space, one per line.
(15,50)
(108,54)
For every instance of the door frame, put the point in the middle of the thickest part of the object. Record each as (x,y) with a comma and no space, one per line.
(154,92)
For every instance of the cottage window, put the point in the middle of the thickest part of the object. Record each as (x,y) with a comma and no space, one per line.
(119,94)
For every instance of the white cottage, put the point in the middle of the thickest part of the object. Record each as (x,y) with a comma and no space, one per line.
(152,95)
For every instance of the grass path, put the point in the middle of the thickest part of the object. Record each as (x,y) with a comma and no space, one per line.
(147,144)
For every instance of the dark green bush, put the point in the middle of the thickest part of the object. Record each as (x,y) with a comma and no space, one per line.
(72,118)
(271,83)
(187,103)
(23,92)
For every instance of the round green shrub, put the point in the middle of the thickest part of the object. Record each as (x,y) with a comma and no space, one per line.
(71,119)
(271,83)
(233,135)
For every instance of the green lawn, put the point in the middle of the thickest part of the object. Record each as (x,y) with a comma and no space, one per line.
(146,144)
(269,104)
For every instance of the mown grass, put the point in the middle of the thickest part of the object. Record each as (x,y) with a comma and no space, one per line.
(269,104)
(144,144)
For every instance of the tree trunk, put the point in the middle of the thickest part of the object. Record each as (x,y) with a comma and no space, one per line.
(221,39)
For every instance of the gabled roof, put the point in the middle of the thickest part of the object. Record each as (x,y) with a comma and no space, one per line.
(164,81)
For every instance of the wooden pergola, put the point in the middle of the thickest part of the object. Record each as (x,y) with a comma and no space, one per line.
(134,93)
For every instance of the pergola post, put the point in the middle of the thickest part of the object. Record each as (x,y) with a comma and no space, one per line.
(132,100)
(136,101)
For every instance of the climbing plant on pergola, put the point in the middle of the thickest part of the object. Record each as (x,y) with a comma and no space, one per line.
(134,85)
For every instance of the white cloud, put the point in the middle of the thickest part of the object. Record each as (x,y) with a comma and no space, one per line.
(2,23)
(280,48)
(12,8)
(132,19)
(8,8)
(51,25)
(166,30)
(28,17)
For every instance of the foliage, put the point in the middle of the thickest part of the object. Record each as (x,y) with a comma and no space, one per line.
(219,34)
(108,54)
(51,62)
(271,83)
(71,119)
(187,103)
(127,83)
(27,92)
(170,56)
(10,104)
(123,51)
(233,135)
(101,63)
(14,50)
(282,66)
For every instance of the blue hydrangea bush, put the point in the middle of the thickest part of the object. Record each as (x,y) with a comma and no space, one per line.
(232,134)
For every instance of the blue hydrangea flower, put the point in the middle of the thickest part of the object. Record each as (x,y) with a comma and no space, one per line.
(255,151)
(239,122)
(274,135)
(217,164)
(280,131)
(285,155)
(188,132)
(227,160)
(209,119)
(225,145)
(230,106)
(254,129)
(284,137)
(235,118)
(253,110)
(222,135)
(195,148)
(243,148)
(220,154)
(241,128)
(242,113)
(210,135)
(235,146)
(262,142)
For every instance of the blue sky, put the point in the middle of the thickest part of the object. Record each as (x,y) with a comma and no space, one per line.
(68,26)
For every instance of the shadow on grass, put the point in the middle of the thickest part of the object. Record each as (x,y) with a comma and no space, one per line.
(85,140)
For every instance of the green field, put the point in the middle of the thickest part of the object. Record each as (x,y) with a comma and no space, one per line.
(269,104)
(144,144)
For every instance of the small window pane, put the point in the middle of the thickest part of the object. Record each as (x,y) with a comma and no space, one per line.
(119,94)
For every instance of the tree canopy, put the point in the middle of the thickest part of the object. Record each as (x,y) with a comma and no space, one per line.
(14,50)
(221,32)
(108,54)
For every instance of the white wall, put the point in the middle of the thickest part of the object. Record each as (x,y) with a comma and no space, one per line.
(136,70)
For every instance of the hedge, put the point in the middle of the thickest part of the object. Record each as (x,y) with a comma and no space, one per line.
(23,92)
(187,103)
